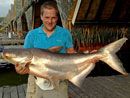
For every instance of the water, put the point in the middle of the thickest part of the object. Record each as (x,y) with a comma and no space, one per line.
(9,77)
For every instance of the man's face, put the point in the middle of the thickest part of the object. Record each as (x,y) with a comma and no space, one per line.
(49,19)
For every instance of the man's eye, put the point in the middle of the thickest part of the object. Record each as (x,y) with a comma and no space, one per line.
(47,17)
(53,17)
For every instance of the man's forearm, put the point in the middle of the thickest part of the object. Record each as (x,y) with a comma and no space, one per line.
(70,50)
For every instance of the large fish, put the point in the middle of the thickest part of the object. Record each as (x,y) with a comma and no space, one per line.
(73,67)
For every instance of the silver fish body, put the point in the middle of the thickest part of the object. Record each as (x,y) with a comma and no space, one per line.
(73,67)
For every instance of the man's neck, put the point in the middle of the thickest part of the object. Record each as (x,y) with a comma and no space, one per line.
(48,32)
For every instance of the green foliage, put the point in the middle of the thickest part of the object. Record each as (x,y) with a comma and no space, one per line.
(1,19)
(2,29)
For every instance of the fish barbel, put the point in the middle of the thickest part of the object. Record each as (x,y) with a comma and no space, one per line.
(73,67)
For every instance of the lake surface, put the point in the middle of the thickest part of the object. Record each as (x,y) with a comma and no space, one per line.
(9,77)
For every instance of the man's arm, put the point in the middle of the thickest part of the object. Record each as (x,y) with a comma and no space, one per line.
(27,44)
(70,50)
(21,70)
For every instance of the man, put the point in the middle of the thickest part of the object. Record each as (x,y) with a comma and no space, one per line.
(44,37)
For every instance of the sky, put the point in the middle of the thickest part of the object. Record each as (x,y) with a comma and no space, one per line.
(5,5)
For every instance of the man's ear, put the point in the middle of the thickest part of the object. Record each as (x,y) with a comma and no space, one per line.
(41,16)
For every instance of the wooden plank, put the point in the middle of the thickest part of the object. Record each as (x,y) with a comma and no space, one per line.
(113,88)
(14,93)
(93,10)
(21,93)
(92,88)
(6,92)
(76,11)
(24,88)
(108,9)
(13,46)
(1,92)
(71,11)
(120,79)
(83,9)
(11,42)
(74,95)
(126,78)
(118,82)
(125,6)
(78,91)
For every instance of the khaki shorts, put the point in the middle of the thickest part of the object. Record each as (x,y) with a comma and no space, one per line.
(33,91)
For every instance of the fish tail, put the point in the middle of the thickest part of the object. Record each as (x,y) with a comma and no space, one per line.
(109,56)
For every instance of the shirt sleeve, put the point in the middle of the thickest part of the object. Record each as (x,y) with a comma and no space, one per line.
(69,41)
(28,43)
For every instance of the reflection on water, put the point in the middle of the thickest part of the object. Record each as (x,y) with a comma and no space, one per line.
(9,77)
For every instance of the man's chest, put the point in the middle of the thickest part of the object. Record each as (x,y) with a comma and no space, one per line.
(45,42)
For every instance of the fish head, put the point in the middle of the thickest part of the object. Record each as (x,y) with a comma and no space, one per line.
(17,56)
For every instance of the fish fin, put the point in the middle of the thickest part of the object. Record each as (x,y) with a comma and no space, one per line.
(114,46)
(114,62)
(78,79)
(27,64)
(55,49)
(110,57)
(54,81)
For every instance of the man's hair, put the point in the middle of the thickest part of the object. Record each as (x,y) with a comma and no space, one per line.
(49,5)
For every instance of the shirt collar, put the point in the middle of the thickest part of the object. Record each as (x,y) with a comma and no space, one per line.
(41,30)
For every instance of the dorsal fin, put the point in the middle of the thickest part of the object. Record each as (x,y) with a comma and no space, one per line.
(55,48)
(114,46)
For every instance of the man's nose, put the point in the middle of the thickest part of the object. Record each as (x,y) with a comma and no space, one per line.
(50,20)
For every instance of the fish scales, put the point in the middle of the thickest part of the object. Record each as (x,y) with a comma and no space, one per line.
(72,67)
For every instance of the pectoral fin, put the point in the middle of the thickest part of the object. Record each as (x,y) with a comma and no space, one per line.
(54,81)
(78,79)
(24,65)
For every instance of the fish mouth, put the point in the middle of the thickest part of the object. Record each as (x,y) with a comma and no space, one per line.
(2,54)
(6,57)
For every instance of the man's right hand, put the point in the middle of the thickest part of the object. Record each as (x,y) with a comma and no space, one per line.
(21,70)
